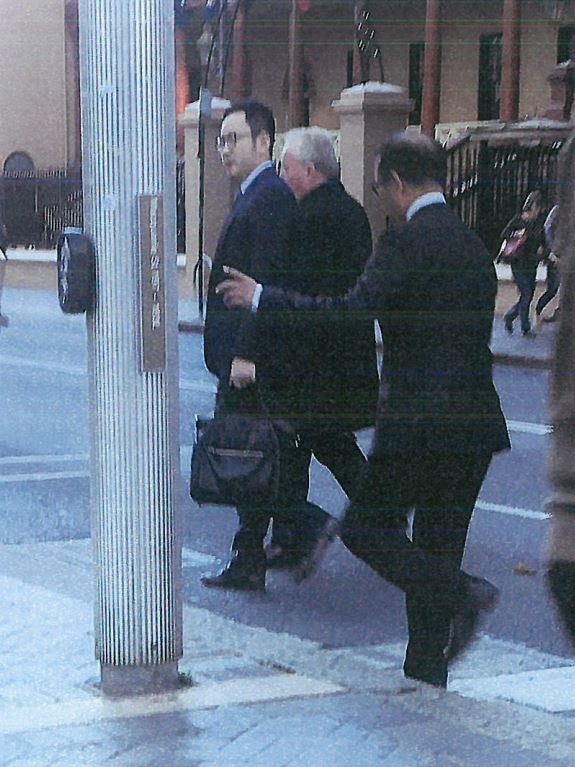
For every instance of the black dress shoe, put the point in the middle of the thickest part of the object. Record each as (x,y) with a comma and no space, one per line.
(529,333)
(316,550)
(508,325)
(278,558)
(239,575)
(479,596)
(435,675)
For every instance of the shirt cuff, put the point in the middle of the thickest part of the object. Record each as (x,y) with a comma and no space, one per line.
(256,297)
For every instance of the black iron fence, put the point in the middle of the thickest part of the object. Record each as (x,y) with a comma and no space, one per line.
(36,205)
(486,185)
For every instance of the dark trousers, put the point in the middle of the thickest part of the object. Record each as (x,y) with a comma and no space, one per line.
(441,490)
(339,452)
(551,288)
(525,281)
(253,523)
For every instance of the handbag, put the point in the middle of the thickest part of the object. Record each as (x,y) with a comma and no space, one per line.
(236,459)
(512,248)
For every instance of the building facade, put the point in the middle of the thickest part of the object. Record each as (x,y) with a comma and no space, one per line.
(459,60)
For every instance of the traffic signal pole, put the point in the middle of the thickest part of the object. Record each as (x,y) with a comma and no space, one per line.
(128,150)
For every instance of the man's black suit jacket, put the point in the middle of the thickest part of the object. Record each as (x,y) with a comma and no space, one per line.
(432,286)
(260,237)
(340,385)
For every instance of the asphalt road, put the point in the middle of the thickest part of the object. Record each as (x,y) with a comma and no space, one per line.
(44,494)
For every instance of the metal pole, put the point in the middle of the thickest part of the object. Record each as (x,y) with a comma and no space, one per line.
(128,135)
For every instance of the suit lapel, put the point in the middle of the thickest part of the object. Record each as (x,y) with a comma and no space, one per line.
(239,203)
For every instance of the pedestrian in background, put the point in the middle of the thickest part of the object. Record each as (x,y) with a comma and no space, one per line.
(529,226)
(432,285)
(339,381)
(552,262)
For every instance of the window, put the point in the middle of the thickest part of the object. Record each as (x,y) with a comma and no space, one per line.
(489,91)
(416,53)
(565,44)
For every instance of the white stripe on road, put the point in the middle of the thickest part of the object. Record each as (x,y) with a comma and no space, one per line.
(513,511)
(541,429)
(42,476)
(198,386)
(53,367)
(91,710)
(57,367)
(7,460)
(524,427)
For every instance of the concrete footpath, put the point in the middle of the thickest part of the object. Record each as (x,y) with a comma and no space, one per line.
(253,697)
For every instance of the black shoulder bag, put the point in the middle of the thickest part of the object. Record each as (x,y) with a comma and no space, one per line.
(236,459)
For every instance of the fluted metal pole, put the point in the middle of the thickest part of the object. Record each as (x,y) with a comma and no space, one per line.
(128,143)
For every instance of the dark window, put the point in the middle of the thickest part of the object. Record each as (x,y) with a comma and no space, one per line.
(349,69)
(565,44)
(416,53)
(489,91)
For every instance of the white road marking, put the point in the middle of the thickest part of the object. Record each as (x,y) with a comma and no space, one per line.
(229,693)
(57,367)
(52,367)
(511,510)
(7,460)
(525,427)
(540,429)
(198,386)
(43,476)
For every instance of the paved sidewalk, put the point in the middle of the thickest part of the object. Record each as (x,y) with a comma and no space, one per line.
(257,698)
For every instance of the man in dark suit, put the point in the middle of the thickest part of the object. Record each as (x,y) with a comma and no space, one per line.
(260,236)
(339,381)
(431,284)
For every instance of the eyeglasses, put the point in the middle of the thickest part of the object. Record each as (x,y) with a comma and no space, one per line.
(229,141)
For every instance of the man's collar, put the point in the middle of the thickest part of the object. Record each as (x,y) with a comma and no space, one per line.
(254,174)
(429,198)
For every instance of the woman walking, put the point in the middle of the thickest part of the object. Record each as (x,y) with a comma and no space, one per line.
(523,244)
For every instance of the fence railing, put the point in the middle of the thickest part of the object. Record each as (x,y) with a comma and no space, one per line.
(486,185)
(36,205)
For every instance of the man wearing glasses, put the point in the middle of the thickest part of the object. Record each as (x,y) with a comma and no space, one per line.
(431,285)
(260,237)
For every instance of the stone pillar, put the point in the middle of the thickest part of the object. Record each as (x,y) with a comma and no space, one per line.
(509,104)
(562,84)
(368,114)
(217,191)
(431,69)
(128,134)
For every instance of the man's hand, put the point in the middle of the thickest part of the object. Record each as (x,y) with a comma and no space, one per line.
(238,290)
(243,373)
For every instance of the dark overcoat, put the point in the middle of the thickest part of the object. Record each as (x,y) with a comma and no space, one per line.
(259,237)
(341,383)
(431,284)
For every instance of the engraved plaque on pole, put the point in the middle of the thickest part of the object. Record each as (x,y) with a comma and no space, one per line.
(152,277)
